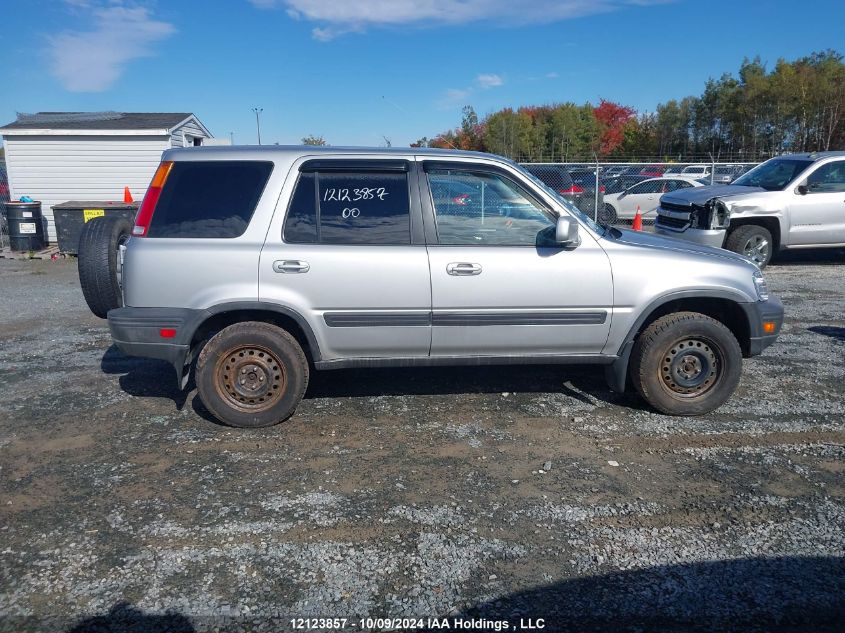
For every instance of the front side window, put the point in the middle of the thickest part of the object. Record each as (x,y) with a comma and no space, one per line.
(828,178)
(349,208)
(207,199)
(482,208)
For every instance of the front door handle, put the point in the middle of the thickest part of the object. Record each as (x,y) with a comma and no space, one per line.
(463,268)
(291,266)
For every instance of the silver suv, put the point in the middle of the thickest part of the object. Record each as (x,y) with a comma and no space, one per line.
(789,202)
(257,265)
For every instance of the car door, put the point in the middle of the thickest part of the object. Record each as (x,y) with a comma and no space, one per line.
(818,216)
(346,251)
(500,285)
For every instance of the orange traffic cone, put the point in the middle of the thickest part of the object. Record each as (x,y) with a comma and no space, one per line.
(637,224)
(127,196)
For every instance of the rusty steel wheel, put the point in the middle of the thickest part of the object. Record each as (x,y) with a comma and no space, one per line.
(686,363)
(251,374)
(250,378)
(691,367)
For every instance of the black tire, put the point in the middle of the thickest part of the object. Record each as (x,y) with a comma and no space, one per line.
(686,363)
(608,215)
(753,241)
(251,375)
(99,273)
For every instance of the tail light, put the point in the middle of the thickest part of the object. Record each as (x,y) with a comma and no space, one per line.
(462,199)
(148,206)
(572,189)
(602,189)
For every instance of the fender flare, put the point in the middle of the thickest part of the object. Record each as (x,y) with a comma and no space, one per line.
(616,373)
(265,306)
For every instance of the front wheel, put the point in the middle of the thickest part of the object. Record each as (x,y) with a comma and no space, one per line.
(252,375)
(755,242)
(686,363)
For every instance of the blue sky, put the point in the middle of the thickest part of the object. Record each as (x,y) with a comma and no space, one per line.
(356,71)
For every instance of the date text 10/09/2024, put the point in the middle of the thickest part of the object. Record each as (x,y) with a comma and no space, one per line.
(410,624)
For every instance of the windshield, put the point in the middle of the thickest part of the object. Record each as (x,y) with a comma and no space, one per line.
(598,228)
(774,175)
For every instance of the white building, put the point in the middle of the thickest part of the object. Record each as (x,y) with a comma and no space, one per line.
(55,157)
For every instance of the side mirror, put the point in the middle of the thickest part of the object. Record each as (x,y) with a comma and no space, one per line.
(802,189)
(566,232)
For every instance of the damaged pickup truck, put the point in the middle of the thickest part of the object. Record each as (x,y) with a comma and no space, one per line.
(789,202)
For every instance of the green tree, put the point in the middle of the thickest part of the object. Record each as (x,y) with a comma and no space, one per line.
(311,139)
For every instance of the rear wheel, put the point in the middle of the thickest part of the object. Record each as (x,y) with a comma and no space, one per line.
(252,375)
(99,262)
(753,241)
(686,363)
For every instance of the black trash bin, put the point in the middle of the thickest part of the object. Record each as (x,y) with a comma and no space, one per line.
(26,226)
(70,217)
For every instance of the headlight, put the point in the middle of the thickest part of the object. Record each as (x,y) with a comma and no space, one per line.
(720,217)
(760,285)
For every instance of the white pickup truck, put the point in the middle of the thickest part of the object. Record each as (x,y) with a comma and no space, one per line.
(789,202)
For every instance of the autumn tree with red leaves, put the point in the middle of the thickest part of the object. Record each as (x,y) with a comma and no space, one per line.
(612,120)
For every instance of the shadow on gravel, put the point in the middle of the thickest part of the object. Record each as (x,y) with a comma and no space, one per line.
(756,594)
(583,383)
(815,257)
(829,330)
(144,377)
(124,618)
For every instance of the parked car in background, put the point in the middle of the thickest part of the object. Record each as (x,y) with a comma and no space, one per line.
(250,267)
(621,183)
(612,171)
(644,195)
(675,169)
(696,171)
(653,171)
(726,174)
(558,178)
(789,202)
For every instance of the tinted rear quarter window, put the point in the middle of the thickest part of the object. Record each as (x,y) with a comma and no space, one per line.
(209,199)
(349,208)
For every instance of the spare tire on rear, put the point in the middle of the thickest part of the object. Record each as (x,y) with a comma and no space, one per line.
(99,262)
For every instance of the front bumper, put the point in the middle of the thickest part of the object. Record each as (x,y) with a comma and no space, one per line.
(138,332)
(705,237)
(758,313)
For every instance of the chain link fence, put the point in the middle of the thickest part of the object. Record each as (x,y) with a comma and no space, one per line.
(4,198)
(613,192)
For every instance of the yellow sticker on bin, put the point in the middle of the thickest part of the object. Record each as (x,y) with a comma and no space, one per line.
(88,214)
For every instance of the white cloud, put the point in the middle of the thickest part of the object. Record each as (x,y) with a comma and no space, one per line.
(456,97)
(345,16)
(92,60)
(453,98)
(489,81)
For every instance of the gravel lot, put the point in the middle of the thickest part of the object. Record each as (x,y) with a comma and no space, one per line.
(486,493)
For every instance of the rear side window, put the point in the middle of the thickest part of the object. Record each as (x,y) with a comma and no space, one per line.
(209,198)
(349,208)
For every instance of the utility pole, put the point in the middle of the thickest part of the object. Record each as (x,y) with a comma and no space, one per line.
(258,112)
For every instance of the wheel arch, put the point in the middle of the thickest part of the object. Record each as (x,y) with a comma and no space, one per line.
(724,306)
(223,315)
(770,223)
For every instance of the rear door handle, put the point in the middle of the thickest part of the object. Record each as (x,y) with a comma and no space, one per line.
(291,266)
(463,268)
